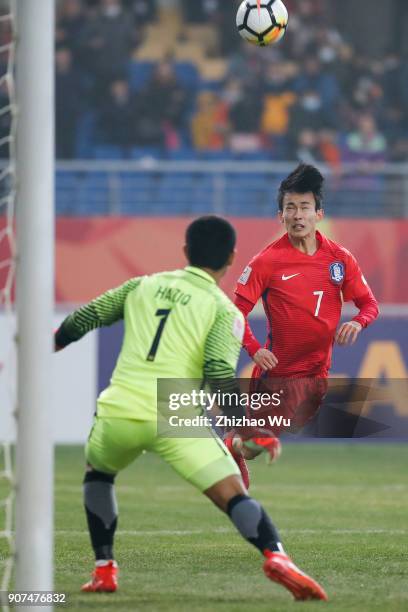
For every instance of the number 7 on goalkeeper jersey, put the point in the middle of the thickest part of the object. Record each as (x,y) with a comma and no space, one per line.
(178,324)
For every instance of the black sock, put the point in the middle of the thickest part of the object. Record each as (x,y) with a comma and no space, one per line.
(253,523)
(101,512)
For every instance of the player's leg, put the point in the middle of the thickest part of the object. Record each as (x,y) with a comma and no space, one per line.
(102,516)
(112,445)
(303,398)
(245,513)
(235,447)
(254,524)
(260,439)
(308,396)
(206,463)
(246,443)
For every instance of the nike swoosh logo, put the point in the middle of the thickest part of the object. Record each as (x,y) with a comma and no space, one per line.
(288,277)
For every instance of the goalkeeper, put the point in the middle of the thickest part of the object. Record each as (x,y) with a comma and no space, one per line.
(178,325)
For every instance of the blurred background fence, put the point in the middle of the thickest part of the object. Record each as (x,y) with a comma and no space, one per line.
(238,188)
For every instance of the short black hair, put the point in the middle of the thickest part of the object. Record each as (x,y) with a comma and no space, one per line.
(303,179)
(210,241)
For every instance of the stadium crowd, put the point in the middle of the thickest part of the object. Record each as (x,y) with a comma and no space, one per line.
(314,97)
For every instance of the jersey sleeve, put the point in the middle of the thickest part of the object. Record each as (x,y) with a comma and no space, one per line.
(223,344)
(355,285)
(249,342)
(356,288)
(368,310)
(253,281)
(100,312)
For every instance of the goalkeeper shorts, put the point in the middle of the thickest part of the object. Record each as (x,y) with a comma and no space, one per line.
(114,443)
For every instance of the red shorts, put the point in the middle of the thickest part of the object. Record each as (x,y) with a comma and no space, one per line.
(300,398)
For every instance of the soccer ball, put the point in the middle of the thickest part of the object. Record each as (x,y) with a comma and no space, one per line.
(263,25)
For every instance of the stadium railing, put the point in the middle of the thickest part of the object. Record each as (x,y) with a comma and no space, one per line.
(152,187)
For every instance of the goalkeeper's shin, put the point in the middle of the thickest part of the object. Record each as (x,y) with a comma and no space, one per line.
(101,512)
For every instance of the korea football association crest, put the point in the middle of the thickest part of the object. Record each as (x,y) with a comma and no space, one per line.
(337,272)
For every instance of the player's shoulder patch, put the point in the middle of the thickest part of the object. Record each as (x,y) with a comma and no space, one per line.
(337,272)
(243,279)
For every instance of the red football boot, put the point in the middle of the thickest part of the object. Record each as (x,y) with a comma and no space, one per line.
(281,569)
(104,579)
(238,458)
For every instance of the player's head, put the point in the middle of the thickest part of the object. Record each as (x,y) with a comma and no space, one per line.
(210,243)
(300,200)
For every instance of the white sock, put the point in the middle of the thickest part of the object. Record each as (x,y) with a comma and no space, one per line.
(103,562)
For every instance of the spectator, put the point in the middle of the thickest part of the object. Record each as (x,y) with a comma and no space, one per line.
(162,107)
(307,113)
(393,79)
(305,22)
(366,143)
(399,149)
(193,11)
(143,10)
(245,110)
(244,117)
(222,15)
(357,84)
(70,23)
(232,91)
(307,149)
(312,76)
(329,149)
(368,96)
(69,102)
(328,43)
(313,86)
(209,125)
(118,116)
(393,118)
(314,147)
(392,123)
(278,100)
(366,150)
(106,43)
(247,64)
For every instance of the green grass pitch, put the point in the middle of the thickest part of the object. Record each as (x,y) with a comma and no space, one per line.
(341,510)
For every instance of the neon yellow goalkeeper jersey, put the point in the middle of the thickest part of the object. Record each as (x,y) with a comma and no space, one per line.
(178,324)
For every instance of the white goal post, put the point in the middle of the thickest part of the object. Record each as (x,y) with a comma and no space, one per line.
(34,293)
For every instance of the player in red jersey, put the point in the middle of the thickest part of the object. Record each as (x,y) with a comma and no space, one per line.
(303,279)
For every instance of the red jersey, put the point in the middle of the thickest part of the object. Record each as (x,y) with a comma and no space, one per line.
(302,297)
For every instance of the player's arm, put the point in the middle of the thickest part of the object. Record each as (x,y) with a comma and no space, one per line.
(264,358)
(100,312)
(249,289)
(356,289)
